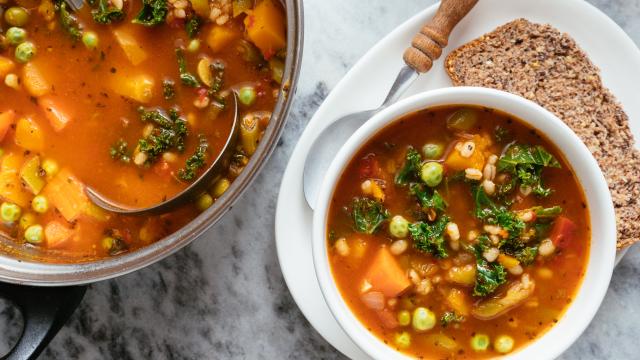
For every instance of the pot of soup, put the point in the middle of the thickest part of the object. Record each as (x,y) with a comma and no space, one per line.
(464,223)
(132,99)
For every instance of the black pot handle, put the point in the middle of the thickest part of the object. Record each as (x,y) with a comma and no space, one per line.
(44,310)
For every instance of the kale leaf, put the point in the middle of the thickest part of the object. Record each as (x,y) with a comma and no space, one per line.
(526,163)
(186,77)
(411,169)
(106,13)
(428,199)
(153,12)
(491,213)
(367,214)
(196,161)
(488,277)
(168,89)
(450,317)
(169,133)
(526,255)
(547,213)
(68,22)
(192,27)
(429,237)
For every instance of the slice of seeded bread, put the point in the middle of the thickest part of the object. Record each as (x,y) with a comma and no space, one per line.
(541,64)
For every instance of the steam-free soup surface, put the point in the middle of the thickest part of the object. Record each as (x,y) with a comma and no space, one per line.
(458,233)
(133,99)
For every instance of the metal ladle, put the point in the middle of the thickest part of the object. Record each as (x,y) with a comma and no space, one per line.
(196,188)
(425,48)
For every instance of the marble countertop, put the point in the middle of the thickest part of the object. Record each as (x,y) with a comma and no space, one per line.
(224,296)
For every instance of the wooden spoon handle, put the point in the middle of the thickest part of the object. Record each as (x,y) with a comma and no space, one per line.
(427,45)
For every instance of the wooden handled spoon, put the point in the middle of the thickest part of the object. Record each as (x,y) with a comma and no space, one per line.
(425,48)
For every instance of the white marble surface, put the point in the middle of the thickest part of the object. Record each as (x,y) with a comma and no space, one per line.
(224,296)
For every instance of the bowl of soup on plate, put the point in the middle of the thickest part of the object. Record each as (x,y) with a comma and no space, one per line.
(464,223)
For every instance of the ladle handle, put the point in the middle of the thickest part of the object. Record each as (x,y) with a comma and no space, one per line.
(427,45)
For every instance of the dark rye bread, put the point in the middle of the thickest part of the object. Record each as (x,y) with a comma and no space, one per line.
(541,64)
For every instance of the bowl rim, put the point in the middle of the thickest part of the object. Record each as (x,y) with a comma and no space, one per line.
(20,270)
(595,281)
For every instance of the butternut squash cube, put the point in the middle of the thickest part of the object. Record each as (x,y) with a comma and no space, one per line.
(57,234)
(6,66)
(138,87)
(29,135)
(130,45)
(66,193)
(34,80)
(58,117)
(7,118)
(219,37)
(201,7)
(12,190)
(266,28)
(456,162)
(32,176)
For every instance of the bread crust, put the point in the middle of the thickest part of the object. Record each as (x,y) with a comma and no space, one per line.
(542,64)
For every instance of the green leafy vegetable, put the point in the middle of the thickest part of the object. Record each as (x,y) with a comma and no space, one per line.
(491,213)
(546,213)
(526,163)
(185,76)
(196,161)
(411,169)
(168,134)
(526,255)
(68,22)
(429,237)
(153,12)
(192,27)
(501,134)
(168,89)
(488,275)
(120,151)
(106,13)
(428,198)
(450,317)
(367,214)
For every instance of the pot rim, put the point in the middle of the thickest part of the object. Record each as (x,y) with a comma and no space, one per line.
(27,272)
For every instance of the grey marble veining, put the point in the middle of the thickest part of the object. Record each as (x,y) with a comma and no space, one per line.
(224,297)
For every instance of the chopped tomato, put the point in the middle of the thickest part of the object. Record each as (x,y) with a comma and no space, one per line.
(369,167)
(387,319)
(562,232)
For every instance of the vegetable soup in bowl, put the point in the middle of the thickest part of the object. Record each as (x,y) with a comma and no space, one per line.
(464,223)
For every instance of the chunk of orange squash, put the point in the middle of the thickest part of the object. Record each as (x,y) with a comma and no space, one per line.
(66,193)
(456,162)
(7,118)
(137,87)
(6,65)
(34,80)
(29,135)
(57,234)
(54,110)
(266,27)
(219,37)
(386,275)
(130,46)
(11,189)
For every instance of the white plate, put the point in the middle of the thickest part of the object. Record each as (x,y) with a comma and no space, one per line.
(606,43)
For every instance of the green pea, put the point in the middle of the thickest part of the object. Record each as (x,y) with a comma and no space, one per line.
(34,234)
(25,52)
(462,120)
(404,318)
(433,151)
(16,35)
(399,226)
(10,212)
(204,201)
(431,173)
(247,95)
(480,342)
(40,204)
(194,45)
(403,340)
(16,16)
(423,319)
(503,344)
(90,40)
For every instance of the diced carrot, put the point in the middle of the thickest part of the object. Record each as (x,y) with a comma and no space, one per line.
(29,135)
(66,193)
(53,110)
(220,37)
(7,118)
(562,232)
(386,275)
(34,80)
(266,28)
(57,234)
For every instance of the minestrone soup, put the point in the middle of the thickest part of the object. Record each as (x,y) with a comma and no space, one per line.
(458,232)
(130,97)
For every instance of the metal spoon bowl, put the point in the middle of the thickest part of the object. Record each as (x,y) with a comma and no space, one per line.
(196,188)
